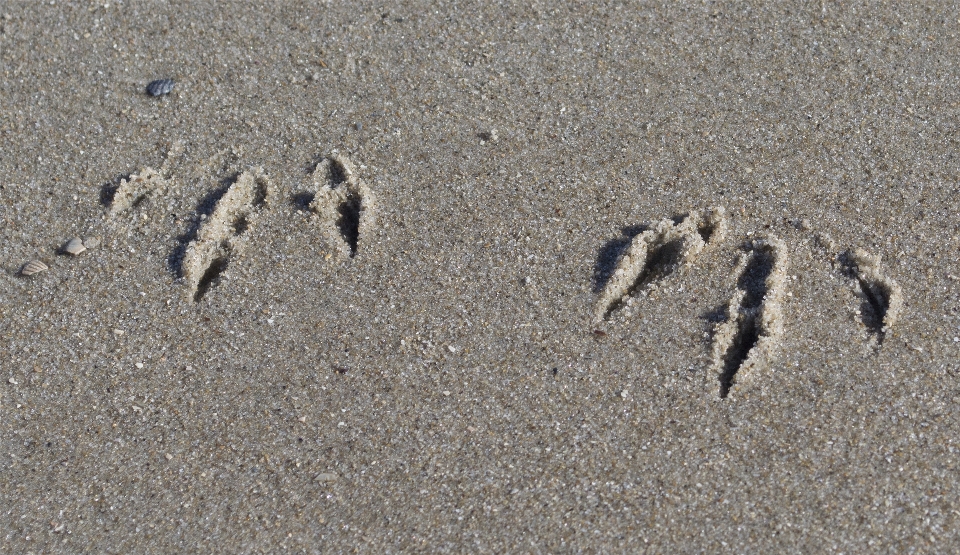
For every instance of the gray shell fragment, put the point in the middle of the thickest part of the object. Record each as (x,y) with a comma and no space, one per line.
(33,267)
(160,87)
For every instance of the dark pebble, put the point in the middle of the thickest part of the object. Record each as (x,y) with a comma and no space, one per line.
(159,87)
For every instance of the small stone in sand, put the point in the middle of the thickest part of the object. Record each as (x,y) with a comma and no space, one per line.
(326,477)
(33,267)
(91,242)
(74,246)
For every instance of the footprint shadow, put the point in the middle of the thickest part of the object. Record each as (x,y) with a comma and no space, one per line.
(716,315)
(712,319)
(610,253)
(204,208)
(108,191)
(302,200)
(311,166)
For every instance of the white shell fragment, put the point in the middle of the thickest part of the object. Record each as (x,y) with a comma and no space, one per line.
(74,246)
(33,267)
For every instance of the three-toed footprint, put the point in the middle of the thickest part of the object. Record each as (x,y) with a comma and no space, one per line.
(748,336)
(340,198)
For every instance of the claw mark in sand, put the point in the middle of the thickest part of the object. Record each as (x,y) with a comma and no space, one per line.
(343,201)
(218,239)
(656,253)
(746,342)
(133,190)
(881,295)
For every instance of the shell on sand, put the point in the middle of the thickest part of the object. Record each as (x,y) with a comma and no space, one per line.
(33,267)
(74,246)
(160,87)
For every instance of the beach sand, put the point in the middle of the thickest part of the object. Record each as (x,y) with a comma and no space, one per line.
(448,386)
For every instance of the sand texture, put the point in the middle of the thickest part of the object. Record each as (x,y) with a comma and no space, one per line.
(480,277)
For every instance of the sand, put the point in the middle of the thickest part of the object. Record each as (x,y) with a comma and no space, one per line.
(443,385)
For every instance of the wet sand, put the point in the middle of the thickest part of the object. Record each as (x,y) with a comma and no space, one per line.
(427,371)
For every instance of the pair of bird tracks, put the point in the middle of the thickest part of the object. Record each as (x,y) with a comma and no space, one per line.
(343,202)
(746,342)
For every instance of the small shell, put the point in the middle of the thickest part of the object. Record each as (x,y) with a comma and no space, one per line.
(33,267)
(160,87)
(74,246)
